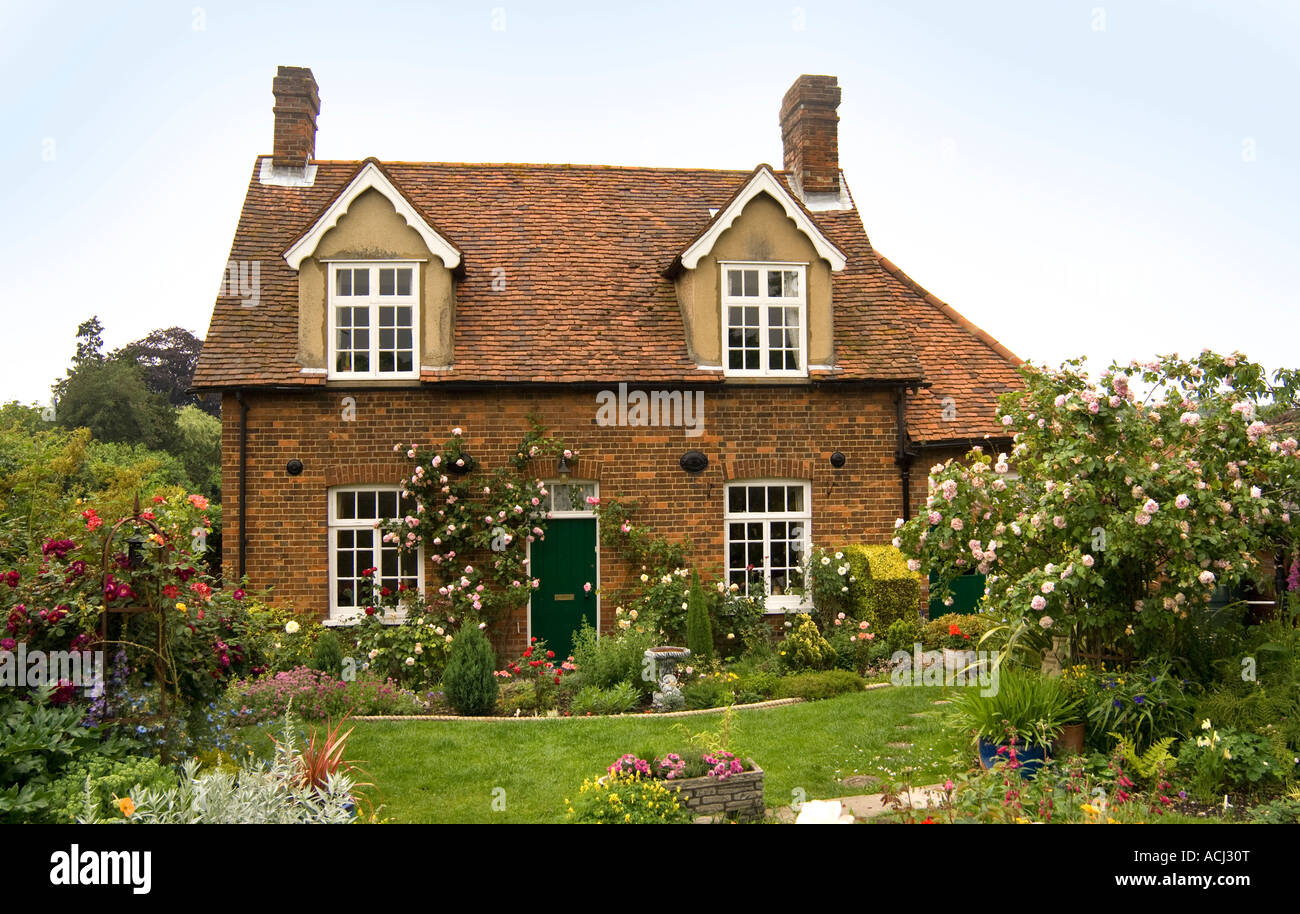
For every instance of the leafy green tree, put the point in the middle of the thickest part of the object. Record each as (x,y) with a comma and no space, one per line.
(30,419)
(167,359)
(90,343)
(110,398)
(198,446)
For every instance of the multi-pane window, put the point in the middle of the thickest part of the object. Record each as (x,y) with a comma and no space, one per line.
(767,538)
(356,544)
(569,497)
(374,320)
(764,319)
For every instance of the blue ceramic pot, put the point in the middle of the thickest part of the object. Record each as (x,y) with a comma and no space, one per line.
(1030,758)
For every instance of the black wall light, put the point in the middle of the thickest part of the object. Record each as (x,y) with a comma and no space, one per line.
(293,467)
(837,459)
(694,462)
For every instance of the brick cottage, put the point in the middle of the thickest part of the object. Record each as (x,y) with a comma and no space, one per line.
(639,313)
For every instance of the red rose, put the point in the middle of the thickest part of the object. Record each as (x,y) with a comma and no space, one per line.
(370,610)
(550,655)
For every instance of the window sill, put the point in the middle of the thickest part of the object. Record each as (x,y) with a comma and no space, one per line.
(787,605)
(766,378)
(354,618)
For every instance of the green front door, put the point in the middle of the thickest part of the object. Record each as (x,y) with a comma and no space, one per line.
(564,563)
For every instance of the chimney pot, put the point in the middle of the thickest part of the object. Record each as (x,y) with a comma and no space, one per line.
(810,134)
(297,103)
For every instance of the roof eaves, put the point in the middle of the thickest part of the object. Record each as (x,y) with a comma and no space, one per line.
(360,180)
(951,313)
(761,179)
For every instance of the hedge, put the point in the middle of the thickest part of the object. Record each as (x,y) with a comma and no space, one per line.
(884,590)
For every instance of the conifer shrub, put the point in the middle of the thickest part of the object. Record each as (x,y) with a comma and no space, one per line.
(699,630)
(327,654)
(469,683)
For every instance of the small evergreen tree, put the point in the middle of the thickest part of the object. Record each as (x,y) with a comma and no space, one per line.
(327,655)
(699,630)
(469,682)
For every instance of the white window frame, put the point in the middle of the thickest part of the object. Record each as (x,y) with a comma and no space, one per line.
(763,302)
(584,511)
(783,603)
(373,300)
(346,614)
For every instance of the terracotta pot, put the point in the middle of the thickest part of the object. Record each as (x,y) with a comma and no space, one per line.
(1070,742)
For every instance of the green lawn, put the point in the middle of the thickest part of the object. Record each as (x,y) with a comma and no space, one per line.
(450,771)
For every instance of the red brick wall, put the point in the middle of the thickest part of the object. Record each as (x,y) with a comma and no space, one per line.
(748,433)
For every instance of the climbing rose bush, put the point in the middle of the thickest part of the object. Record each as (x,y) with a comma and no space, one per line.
(474,527)
(1128,510)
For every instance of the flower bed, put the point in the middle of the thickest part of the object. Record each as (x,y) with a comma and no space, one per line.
(740,794)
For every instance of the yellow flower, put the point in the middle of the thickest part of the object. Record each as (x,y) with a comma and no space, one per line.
(127,805)
(1089,809)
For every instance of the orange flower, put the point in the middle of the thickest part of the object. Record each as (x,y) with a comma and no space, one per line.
(127,805)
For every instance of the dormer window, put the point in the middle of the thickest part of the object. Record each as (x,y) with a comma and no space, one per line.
(765,319)
(374,320)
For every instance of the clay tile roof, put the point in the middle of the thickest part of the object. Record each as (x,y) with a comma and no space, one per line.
(961,361)
(583,253)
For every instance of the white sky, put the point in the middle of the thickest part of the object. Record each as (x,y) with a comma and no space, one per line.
(1110,179)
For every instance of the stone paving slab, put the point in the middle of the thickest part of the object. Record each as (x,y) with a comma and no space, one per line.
(868,806)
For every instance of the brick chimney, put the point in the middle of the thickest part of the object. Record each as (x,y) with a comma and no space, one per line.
(297,102)
(810,134)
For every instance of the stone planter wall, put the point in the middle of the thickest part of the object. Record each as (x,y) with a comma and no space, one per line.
(741,794)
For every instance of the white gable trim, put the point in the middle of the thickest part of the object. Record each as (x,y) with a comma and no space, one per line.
(371,178)
(763,182)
